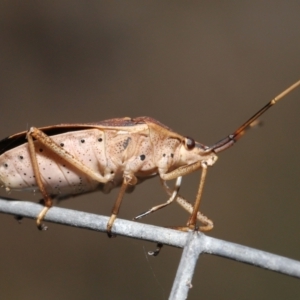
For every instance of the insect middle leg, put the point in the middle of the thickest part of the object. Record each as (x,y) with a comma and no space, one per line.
(127,181)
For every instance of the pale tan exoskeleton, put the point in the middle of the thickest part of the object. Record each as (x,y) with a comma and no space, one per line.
(70,159)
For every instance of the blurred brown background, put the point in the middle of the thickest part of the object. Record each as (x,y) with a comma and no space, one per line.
(200,68)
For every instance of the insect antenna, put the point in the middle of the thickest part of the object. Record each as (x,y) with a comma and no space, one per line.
(236,135)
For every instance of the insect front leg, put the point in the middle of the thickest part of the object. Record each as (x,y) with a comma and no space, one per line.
(184,170)
(208,224)
(193,218)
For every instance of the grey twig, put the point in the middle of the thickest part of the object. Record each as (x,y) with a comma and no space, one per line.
(194,243)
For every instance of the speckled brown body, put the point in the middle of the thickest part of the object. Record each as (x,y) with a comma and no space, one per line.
(140,147)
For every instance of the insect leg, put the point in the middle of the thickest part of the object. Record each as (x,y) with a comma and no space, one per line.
(181,171)
(184,170)
(64,154)
(157,250)
(55,148)
(128,180)
(208,224)
(37,174)
(192,219)
(172,195)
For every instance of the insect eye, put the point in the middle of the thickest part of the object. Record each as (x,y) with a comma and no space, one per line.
(189,143)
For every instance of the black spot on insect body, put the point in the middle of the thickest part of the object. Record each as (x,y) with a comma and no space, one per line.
(142,157)
(82,141)
(126,143)
(62,144)
(6,165)
(100,140)
(25,174)
(41,149)
(49,178)
(172,155)
(21,157)
(164,154)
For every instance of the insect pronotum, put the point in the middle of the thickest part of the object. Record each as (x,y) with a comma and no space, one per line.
(70,159)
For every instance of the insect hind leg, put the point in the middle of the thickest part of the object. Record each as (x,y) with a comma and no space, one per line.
(63,154)
(46,197)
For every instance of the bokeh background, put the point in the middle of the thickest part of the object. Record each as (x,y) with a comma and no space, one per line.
(201,68)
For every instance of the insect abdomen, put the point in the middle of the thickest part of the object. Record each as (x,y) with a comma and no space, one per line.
(16,171)
(105,152)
